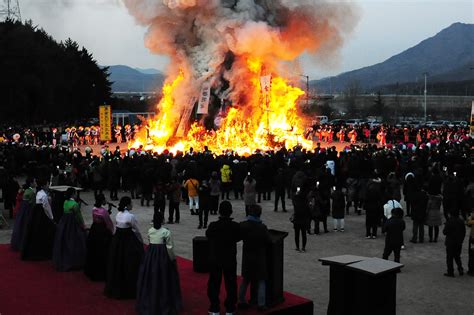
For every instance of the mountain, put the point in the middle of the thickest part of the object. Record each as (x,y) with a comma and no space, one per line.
(148,71)
(126,79)
(447,56)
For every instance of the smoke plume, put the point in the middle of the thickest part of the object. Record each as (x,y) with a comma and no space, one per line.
(210,40)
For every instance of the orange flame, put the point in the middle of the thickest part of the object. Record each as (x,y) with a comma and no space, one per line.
(266,120)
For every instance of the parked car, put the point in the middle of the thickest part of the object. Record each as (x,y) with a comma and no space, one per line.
(440,123)
(429,123)
(337,122)
(375,123)
(458,123)
(320,120)
(403,123)
(416,123)
(353,122)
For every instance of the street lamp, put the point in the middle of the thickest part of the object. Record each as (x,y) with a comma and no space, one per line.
(307,88)
(425,74)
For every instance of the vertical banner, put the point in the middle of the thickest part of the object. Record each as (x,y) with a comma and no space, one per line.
(266,83)
(472,119)
(203,106)
(105,119)
(185,118)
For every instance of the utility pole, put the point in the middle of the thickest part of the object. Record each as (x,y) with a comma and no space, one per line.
(425,74)
(10,9)
(307,88)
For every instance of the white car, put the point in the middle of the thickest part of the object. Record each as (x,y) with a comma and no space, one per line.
(458,123)
(429,123)
(440,123)
(353,122)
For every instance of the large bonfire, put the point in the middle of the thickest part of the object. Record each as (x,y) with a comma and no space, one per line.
(229,83)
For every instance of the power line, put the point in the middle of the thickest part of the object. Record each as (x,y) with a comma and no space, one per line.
(10,9)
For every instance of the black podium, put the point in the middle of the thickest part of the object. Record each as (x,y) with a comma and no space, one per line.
(360,285)
(375,290)
(274,285)
(201,254)
(341,283)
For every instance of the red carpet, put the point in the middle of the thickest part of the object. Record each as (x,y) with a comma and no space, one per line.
(35,288)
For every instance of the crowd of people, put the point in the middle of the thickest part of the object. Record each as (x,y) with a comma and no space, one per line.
(385,134)
(365,133)
(434,178)
(69,135)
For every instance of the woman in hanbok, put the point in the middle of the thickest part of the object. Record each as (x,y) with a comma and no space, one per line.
(40,228)
(69,251)
(27,203)
(125,254)
(98,241)
(158,288)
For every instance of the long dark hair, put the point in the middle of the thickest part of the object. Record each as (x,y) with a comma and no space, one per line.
(70,193)
(99,200)
(124,202)
(29,181)
(157,220)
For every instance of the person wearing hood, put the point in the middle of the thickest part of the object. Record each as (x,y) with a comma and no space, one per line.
(393,229)
(255,236)
(223,235)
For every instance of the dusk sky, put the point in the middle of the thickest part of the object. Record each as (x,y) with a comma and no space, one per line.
(385,28)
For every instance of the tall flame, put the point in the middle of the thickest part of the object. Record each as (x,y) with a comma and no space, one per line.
(234,46)
(273,121)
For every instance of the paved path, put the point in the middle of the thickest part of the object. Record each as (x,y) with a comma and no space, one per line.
(422,288)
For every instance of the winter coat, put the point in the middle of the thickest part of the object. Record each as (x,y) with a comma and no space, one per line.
(226,174)
(352,189)
(204,197)
(433,215)
(452,195)
(301,215)
(393,188)
(223,236)
(215,186)
(338,204)
(409,187)
(279,182)
(389,206)
(394,228)
(250,192)
(373,203)
(419,206)
(455,231)
(299,180)
(434,185)
(255,236)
